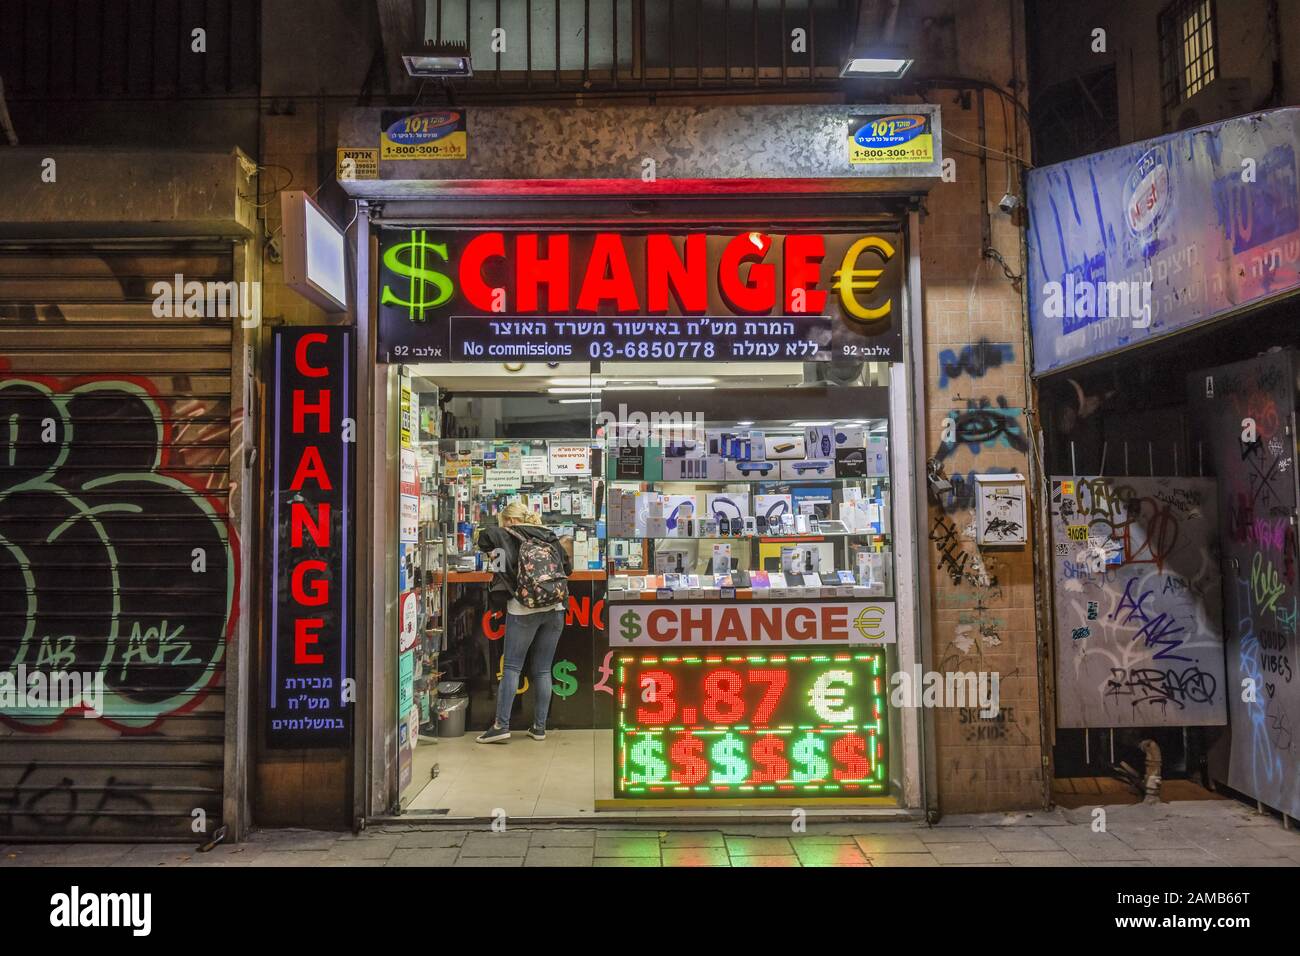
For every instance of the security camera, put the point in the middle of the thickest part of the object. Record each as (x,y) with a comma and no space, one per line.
(1009,203)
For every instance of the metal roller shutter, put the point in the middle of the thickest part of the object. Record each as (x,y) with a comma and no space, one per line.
(117,555)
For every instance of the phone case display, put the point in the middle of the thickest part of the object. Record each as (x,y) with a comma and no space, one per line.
(553,479)
(800,516)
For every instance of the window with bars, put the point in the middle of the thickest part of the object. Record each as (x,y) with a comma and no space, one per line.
(1187,56)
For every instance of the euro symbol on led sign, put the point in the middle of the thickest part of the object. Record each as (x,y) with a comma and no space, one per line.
(409,259)
(868,622)
(850,280)
(827,697)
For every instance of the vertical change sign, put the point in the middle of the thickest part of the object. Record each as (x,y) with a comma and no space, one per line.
(312,487)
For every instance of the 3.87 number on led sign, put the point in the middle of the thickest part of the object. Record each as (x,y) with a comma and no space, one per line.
(750,725)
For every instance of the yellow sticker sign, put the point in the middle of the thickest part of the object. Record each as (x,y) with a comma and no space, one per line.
(1077,532)
(884,140)
(1067,489)
(356,164)
(435,134)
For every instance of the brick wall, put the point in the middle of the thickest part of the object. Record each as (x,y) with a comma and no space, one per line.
(982,600)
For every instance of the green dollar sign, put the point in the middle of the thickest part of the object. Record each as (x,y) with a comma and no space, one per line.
(631,625)
(563,683)
(808,751)
(648,753)
(729,764)
(413,268)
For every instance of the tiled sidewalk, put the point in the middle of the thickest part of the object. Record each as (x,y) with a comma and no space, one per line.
(1206,833)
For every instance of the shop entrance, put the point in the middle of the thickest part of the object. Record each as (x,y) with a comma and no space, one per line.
(693,503)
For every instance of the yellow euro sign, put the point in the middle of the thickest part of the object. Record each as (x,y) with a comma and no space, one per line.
(849,279)
(868,622)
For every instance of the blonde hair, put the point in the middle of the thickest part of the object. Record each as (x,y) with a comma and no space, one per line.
(518,513)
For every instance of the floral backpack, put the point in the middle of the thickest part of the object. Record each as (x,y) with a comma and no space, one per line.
(540,581)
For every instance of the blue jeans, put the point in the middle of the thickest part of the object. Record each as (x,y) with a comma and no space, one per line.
(541,632)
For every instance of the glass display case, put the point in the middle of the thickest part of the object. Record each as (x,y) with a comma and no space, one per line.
(752,510)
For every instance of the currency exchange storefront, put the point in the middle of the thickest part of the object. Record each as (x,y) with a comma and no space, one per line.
(701,384)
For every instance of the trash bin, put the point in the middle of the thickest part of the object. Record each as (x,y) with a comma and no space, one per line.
(453,708)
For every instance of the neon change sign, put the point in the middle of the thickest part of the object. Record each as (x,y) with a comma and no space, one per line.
(310,664)
(750,725)
(488,296)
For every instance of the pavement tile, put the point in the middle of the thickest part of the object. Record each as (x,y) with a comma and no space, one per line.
(291,858)
(682,838)
(951,835)
(765,861)
(956,854)
(626,846)
(559,856)
(1037,858)
(626,861)
(902,859)
(1182,857)
(1085,845)
(822,839)
(513,843)
(148,854)
(696,856)
(423,856)
(1021,840)
(1117,863)
(1234,843)
(582,838)
(490,861)
(895,843)
(378,848)
(432,839)
(758,846)
(1156,837)
(829,854)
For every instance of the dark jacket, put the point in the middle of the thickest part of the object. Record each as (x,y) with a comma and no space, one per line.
(504,582)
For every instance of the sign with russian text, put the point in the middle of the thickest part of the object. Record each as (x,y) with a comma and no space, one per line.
(312,485)
(750,725)
(678,624)
(456,296)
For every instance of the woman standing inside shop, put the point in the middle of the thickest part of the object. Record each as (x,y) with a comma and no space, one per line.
(533,598)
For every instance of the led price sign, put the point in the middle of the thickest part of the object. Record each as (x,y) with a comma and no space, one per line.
(312,487)
(502,296)
(750,725)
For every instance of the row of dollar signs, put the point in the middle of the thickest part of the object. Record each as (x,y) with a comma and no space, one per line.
(629,625)
(409,259)
(727,756)
(564,684)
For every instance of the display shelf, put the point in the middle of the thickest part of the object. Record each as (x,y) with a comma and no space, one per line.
(747,481)
(767,538)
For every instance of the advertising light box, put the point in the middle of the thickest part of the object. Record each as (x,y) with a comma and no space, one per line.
(750,725)
(495,296)
(312,489)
